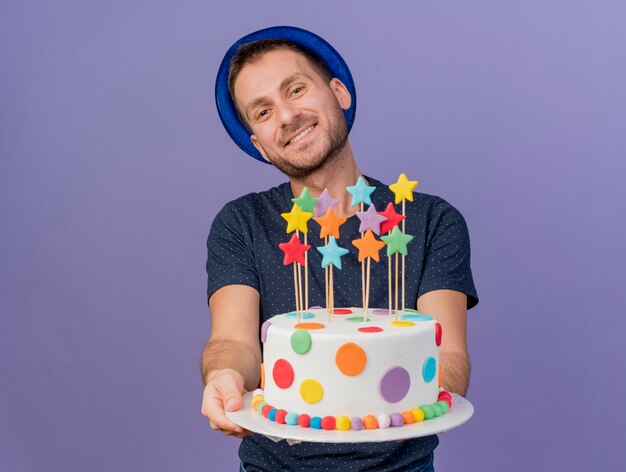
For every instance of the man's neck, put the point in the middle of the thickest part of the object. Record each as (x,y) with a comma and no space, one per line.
(338,174)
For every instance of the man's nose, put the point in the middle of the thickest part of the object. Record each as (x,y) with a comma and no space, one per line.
(287,113)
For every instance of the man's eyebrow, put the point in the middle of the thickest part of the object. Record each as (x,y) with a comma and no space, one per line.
(254,103)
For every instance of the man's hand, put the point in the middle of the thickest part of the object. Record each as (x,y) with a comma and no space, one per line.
(224,392)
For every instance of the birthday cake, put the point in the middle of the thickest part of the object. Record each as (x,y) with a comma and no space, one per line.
(348,373)
(356,368)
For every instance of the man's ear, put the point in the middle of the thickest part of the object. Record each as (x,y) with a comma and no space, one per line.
(341,93)
(258,147)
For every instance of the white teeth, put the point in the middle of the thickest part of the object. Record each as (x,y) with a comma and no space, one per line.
(301,135)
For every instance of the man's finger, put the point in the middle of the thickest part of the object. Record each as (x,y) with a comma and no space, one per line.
(231,389)
(213,408)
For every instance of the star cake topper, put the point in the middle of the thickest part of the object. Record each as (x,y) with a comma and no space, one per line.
(397,241)
(368,246)
(294,250)
(370,220)
(324,202)
(305,201)
(297,219)
(330,224)
(403,188)
(393,218)
(361,192)
(332,253)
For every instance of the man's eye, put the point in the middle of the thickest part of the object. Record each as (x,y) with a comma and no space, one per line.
(297,90)
(262,113)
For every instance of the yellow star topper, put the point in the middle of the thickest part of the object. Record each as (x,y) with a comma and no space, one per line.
(297,219)
(403,188)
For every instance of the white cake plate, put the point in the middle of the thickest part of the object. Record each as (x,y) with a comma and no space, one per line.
(246,417)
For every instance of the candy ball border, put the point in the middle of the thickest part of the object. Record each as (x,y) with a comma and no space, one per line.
(343,423)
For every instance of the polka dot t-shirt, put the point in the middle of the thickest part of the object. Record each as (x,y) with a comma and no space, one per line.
(243,249)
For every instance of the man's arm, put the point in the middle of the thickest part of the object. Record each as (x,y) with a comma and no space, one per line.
(449,308)
(232,356)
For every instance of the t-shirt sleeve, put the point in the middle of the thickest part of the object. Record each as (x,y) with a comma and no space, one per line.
(230,259)
(447,259)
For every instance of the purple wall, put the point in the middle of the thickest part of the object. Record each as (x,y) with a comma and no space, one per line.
(113,163)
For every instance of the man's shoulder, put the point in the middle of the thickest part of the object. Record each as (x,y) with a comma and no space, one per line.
(251,209)
(267,198)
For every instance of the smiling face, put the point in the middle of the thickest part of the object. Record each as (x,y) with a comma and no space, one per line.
(296,117)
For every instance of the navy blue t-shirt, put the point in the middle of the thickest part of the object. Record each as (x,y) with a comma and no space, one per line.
(243,249)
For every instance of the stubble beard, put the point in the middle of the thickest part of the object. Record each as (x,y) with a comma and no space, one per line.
(337,139)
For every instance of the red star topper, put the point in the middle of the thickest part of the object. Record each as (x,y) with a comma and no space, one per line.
(393,219)
(294,250)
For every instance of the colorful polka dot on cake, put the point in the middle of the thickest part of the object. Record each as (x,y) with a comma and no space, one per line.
(438,334)
(310,326)
(402,324)
(303,316)
(311,391)
(370,329)
(394,384)
(264,327)
(350,359)
(429,369)
(342,311)
(416,317)
(301,341)
(282,373)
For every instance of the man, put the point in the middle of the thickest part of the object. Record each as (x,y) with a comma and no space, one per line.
(291,102)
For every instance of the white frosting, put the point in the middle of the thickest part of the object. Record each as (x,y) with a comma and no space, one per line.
(359,395)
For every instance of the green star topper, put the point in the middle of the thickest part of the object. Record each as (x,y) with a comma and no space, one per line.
(305,201)
(397,241)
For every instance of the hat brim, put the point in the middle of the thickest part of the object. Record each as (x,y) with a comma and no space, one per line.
(225,106)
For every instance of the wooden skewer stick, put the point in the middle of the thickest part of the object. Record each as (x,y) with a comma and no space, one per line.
(403,257)
(327,280)
(396,286)
(298,265)
(295,286)
(328,305)
(367,289)
(389,265)
(300,289)
(362,274)
(332,290)
(306,276)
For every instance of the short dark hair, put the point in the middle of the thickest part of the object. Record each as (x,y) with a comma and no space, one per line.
(252,52)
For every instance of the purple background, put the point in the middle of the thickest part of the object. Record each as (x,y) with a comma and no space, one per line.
(114,163)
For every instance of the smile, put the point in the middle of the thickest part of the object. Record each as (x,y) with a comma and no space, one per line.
(304,133)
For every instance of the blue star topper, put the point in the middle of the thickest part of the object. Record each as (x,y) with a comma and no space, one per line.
(361,192)
(332,253)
